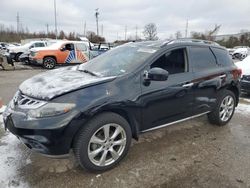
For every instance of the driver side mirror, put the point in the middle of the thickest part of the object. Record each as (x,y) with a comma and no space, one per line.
(62,49)
(156,74)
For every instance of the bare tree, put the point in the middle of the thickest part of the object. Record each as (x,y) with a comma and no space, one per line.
(211,34)
(208,35)
(93,37)
(150,31)
(178,35)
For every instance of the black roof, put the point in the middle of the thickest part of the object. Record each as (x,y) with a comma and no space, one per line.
(186,41)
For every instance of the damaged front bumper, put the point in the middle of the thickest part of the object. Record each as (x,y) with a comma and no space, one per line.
(51,136)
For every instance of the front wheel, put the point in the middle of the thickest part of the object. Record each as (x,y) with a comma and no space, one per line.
(17,57)
(224,109)
(49,63)
(103,142)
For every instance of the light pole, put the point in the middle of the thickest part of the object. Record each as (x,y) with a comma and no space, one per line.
(55,18)
(96,15)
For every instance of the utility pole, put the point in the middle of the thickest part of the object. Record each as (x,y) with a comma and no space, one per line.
(47,27)
(125,32)
(186,31)
(55,18)
(17,22)
(102,30)
(84,33)
(96,16)
(117,36)
(136,28)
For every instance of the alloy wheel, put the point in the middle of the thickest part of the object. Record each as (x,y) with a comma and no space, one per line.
(107,144)
(226,108)
(49,63)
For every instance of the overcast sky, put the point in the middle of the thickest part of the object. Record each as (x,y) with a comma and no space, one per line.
(169,15)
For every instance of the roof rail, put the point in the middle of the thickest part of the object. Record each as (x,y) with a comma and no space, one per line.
(190,40)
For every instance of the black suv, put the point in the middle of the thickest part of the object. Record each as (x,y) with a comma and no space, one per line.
(97,107)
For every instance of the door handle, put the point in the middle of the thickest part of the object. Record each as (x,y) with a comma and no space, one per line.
(188,85)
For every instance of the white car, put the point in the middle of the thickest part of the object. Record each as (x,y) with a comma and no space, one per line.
(244,66)
(16,51)
(245,79)
(240,52)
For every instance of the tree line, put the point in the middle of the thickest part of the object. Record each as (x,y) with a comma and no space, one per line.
(9,34)
(243,39)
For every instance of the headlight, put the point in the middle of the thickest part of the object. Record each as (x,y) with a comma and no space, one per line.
(33,54)
(51,109)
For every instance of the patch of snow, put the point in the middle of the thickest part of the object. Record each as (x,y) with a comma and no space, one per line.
(28,161)
(2,110)
(10,156)
(244,99)
(98,175)
(56,82)
(243,109)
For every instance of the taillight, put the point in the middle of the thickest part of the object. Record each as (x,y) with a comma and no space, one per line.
(237,73)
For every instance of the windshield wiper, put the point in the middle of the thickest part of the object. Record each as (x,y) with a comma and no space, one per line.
(89,72)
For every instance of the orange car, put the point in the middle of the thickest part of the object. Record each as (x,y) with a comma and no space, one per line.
(62,52)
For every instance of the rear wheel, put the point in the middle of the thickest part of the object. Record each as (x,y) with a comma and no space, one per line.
(103,142)
(224,109)
(49,63)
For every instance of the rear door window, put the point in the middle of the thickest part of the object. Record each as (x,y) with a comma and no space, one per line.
(202,58)
(81,47)
(222,57)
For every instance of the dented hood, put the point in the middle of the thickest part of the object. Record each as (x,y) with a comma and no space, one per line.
(57,82)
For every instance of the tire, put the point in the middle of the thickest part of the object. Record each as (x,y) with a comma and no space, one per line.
(226,102)
(17,57)
(49,63)
(92,138)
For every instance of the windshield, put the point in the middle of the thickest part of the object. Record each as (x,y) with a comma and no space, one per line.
(50,43)
(118,61)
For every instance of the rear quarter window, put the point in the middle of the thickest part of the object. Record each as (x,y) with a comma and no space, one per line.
(81,47)
(222,57)
(202,59)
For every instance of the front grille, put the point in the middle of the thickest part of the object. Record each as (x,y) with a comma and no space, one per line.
(24,102)
(246,77)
